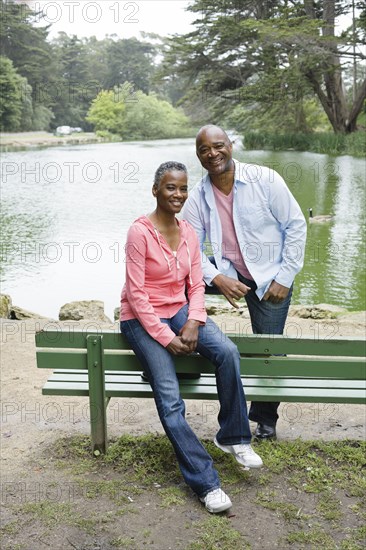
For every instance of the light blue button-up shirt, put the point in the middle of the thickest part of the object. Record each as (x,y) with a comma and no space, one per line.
(269,225)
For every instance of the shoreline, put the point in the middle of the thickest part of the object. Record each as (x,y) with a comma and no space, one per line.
(216,306)
(33,140)
(17,141)
(93,310)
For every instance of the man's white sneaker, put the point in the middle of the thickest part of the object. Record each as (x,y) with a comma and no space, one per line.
(243,453)
(216,501)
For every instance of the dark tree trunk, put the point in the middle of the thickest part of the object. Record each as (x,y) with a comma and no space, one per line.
(329,86)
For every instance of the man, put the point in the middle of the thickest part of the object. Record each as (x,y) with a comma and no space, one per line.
(257,233)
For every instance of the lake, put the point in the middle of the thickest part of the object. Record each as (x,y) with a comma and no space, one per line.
(66,211)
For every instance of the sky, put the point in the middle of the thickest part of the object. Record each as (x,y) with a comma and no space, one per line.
(123,18)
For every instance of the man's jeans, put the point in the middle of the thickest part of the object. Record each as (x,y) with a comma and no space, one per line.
(194,461)
(266,318)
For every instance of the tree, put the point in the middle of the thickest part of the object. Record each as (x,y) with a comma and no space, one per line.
(25,43)
(10,96)
(326,77)
(259,53)
(97,60)
(76,83)
(107,110)
(129,60)
(64,75)
(148,117)
(134,115)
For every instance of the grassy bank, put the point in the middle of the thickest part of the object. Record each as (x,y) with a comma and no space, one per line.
(325,143)
(13,141)
(310,494)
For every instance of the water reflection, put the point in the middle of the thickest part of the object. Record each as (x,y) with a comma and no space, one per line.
(66,212)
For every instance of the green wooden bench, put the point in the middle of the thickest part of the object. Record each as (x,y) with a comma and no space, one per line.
(100,365)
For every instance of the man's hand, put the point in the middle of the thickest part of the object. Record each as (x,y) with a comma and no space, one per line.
(276,293)
(177,347)
(189,334)
(232,289)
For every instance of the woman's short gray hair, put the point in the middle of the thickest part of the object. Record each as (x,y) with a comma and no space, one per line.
(168,166)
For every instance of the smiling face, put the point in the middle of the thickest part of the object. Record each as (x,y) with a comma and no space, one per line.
(214,150)
(171,192)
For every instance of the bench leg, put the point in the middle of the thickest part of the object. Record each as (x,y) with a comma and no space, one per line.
(97,399)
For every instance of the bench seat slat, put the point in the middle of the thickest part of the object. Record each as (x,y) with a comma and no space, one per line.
(209,380)
(350,368)
(247,343)
(209,392)
(292,366)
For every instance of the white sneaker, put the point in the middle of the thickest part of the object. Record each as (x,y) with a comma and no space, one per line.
(216,501)
(243,453)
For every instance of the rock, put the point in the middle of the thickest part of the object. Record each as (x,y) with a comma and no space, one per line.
(213,310)
(318,311)
(221,307)
(20,314)
(5,306)
(92,310)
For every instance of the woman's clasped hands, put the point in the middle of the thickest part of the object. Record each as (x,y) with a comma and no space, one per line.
(186,341)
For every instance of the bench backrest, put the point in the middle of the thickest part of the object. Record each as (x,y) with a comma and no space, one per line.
(277,355)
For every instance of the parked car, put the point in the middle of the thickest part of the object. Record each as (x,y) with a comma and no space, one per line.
(63,130)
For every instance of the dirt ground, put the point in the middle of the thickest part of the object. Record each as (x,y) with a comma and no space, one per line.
(32,423)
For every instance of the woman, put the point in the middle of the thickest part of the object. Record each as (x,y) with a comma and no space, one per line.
(163,315)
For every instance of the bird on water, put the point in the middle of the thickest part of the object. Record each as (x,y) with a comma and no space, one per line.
(320,218)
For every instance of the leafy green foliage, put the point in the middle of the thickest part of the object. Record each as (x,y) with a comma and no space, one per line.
(326,143)
(268,56)
(24,41)
(107,111)
(65,75)
(135,115)
(149,117)
(10,96)
(129,60)
(247,65)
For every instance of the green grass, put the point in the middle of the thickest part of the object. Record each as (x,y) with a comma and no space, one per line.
(123,542)
(116,490)
(316,538)
(312,488)
(49,512)
(149,458)
(217,533)
(313,466)
(172,496)
(56,513)
(10,528)
(286,509)
(329,507)
(324,143)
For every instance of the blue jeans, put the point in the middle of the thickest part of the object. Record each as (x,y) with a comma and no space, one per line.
(194,461)
(266,318)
